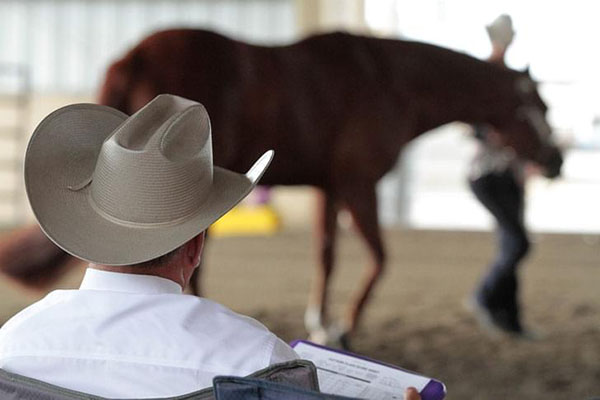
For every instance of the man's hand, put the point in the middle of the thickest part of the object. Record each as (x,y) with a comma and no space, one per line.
(411,394)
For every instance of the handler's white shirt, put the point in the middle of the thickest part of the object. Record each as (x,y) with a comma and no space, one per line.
(134,336)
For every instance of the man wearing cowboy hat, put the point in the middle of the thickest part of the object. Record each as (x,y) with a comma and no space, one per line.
(133,197)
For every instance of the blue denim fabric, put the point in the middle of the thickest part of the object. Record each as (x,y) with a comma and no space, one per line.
(235,388)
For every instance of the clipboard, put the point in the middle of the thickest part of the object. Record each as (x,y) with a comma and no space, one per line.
(348,374)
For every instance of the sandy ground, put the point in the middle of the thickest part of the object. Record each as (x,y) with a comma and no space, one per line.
(416,319)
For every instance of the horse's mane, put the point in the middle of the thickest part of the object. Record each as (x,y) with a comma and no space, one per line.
(405,52)
(411,61)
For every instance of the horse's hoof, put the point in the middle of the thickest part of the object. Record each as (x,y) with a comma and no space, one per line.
(332,337)
(344,341)
(338,337)
(319,336)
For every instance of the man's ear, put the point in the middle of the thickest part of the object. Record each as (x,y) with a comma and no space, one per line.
(193,250)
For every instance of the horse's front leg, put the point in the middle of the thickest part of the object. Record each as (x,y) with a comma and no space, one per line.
(316,315)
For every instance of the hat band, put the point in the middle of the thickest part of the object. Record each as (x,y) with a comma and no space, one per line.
(133,224)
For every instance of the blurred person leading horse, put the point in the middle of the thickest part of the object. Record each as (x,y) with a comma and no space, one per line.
(497,178)
(337,108)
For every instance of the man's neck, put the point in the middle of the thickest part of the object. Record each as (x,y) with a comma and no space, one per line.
(167,271)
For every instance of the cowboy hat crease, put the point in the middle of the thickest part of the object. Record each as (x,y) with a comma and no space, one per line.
(119,190)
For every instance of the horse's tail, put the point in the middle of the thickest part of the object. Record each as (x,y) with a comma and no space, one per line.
(118,83)
(30,259)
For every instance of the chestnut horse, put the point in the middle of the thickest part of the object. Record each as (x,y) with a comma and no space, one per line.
(337,109)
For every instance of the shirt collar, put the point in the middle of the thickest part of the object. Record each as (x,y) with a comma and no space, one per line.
(95,279)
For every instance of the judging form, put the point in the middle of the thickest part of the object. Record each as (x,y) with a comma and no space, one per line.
(346,375)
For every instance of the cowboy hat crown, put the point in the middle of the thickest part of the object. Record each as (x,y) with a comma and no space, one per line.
(163,157)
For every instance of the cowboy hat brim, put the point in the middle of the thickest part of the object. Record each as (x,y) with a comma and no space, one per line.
(62,153)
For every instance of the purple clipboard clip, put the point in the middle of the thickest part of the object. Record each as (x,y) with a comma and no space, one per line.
(433,390)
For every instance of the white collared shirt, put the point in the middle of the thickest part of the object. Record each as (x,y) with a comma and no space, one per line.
(134,336)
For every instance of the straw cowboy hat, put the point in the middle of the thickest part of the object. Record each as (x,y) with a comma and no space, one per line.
(119,190)
(501,30)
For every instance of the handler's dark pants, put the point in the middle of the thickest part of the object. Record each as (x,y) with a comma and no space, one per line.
(502,195)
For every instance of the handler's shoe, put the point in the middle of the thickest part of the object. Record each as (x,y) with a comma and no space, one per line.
(530,334)
(483,316)
(497,322)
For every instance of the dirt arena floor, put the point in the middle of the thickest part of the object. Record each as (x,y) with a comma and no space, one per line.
(416,319)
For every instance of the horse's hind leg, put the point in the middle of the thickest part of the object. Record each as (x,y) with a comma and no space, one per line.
(315,318)
(361,201)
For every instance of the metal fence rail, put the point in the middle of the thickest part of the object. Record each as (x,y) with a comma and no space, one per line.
(69,43)
(15,91)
